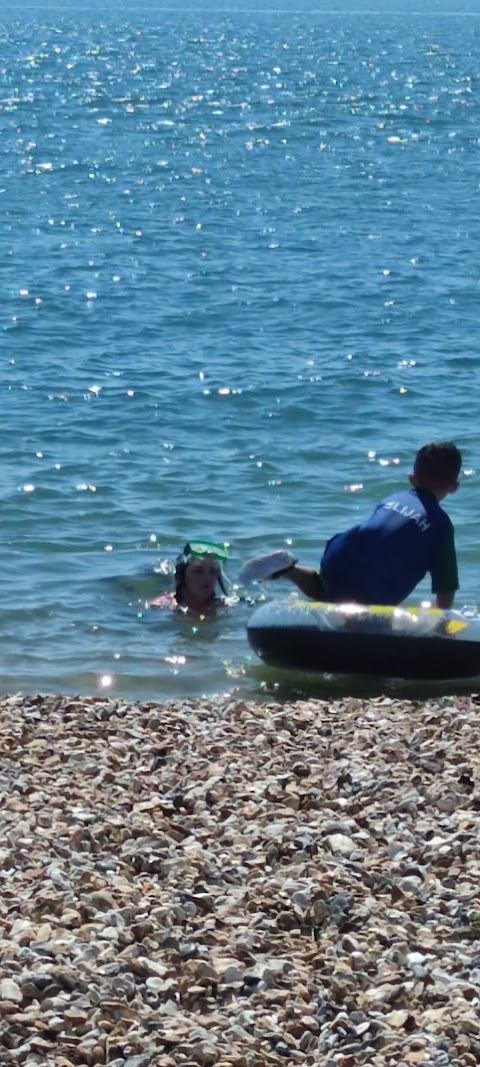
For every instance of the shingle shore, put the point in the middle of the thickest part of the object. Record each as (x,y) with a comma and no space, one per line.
(228,883)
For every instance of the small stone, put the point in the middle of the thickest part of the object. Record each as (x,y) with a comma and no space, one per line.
(21,930)
(341,844)
(10,990)
(147,967)
(100,901)
(7,1007)
(232,976)
(396,1019)
(157,985)
(205,1054)
(74,1017)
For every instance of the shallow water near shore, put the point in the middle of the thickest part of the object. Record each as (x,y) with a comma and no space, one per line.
(242,288)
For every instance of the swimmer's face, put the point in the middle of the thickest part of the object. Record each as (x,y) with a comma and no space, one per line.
(201,577)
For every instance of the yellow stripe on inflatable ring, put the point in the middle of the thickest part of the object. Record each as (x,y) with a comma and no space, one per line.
(454,626)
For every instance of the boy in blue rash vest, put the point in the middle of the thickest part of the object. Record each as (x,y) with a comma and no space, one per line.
(381,560)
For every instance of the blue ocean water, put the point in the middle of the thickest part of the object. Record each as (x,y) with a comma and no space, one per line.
(240,287)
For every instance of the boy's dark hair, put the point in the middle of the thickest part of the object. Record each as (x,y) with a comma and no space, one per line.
(438,465)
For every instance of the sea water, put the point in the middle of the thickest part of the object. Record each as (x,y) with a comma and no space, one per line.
(240,287)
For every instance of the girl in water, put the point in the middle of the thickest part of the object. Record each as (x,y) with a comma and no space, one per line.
(198,572)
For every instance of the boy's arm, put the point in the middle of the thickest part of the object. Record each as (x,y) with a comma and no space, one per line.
(308,580)
(444,601)
(445,572)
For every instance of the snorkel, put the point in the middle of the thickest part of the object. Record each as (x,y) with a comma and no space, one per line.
(199,550)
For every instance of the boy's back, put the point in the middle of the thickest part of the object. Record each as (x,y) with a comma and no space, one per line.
(381,560)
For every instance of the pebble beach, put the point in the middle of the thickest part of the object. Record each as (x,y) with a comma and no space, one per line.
(216,882)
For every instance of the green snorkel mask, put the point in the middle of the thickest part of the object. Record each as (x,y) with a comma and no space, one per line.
(196,549)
